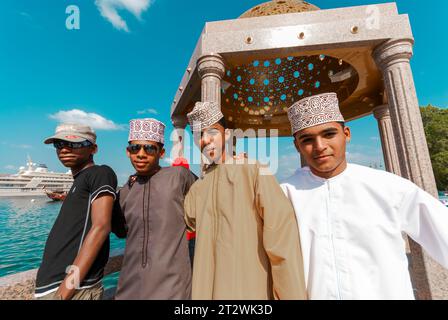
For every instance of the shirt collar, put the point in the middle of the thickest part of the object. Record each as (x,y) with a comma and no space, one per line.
(335,178)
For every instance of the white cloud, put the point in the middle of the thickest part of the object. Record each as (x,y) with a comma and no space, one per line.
(364,159)
(288,165)
(365,155)
(148,111)
(23,146)
(25,15)
(15,145)
(10,167)
(109,10)
(95,121)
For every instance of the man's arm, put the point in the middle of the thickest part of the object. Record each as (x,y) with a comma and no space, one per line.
(118,224)
(280,238)
(101,215)
(425,219)
(190,212)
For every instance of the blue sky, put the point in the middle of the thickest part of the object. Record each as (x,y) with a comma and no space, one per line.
(128,63)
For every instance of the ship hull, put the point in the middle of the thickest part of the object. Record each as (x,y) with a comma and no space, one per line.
(22,193)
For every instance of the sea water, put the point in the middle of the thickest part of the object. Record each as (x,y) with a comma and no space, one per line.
(24,227)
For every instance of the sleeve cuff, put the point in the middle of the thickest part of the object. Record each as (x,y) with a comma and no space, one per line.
(103,189)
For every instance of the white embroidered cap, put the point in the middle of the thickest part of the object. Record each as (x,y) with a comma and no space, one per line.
(146,129)
(204,115)
(314,110)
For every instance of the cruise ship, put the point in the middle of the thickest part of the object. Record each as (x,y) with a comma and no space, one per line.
(34,180)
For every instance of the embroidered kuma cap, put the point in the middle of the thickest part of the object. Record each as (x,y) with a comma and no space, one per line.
(204,115)
(314,110)
(146,129)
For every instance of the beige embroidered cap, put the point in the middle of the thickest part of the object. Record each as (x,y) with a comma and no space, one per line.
(204,115)
(314,110)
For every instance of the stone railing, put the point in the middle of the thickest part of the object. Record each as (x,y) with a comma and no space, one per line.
(20,286)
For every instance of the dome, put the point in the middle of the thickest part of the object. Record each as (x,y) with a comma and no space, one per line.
(279,7)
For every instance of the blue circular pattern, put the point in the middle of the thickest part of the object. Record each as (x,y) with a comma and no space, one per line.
(273,82)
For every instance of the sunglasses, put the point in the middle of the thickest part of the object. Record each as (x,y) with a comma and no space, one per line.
(72,145)
(150,149)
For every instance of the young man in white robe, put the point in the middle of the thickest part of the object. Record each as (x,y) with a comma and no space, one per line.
(351,217)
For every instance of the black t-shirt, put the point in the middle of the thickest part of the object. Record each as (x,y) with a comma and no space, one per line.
(71,227)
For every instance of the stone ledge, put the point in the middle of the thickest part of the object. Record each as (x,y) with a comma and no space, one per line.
(20,286)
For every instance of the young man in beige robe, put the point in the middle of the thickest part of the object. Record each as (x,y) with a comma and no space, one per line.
(246,232)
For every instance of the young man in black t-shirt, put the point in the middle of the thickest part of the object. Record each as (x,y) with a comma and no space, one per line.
(77,247)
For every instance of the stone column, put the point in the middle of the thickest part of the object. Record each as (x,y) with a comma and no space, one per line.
(177,137)
(388,144)
(211,70)
(429,279)
(392,57)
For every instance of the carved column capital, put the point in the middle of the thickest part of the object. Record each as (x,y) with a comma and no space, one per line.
(393,51)
(211,64)
(381,112)
(179,122)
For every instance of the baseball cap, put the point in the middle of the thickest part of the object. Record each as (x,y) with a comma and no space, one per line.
(72,132)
